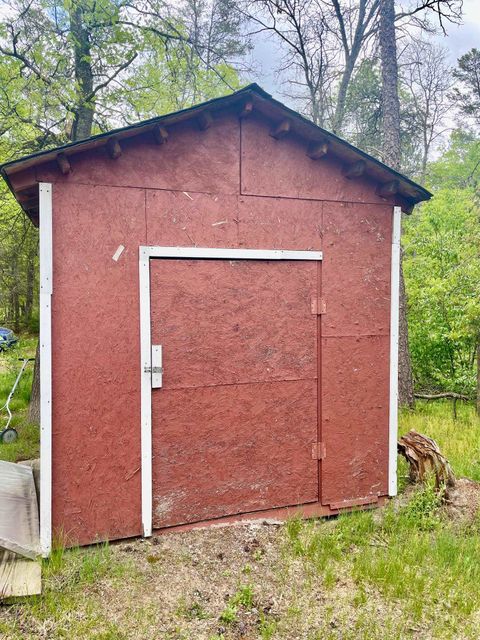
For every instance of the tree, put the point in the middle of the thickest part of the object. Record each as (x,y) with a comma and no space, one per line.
(426,76)
(392,155)
(76,58)
(322,43)
(468,96)
(442,271)
(72,68)
(444,9)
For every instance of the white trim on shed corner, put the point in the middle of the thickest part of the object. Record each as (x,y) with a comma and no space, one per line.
(46,288)
(145,253)
(394,335)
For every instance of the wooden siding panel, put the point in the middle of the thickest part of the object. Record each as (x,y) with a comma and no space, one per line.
(96,382)
(193,160)
(275,168)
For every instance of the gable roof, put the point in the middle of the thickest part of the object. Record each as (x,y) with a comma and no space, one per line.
(260,101)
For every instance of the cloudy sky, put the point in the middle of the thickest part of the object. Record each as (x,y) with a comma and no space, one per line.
(463,37)
(459,39)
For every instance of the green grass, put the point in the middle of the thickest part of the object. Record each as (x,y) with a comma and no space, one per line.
(412,555)
(27,445)
(458,439)
(401,573)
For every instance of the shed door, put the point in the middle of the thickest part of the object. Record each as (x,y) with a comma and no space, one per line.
(235,419)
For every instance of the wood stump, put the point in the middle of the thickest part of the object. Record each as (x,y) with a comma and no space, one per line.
(425,459)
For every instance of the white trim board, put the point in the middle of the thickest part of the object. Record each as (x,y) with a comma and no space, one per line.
(229,254)
(394,335)
(46,289)
(145,253)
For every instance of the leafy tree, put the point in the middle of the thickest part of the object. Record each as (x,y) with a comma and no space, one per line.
(442,273)
(69,68)
(468,73)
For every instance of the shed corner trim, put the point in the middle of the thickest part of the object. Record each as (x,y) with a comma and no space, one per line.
(394,336)
(45,339)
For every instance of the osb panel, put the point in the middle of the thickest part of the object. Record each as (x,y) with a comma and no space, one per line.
(96,394)
(190,160)
(230,449)
(233,321)
(356,269)
(355,392)
(279,223)
(191,219)
(273,167)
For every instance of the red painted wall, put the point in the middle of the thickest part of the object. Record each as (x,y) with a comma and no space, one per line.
(230,186)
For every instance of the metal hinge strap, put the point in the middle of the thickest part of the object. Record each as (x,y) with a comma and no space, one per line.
(319,451)
(318,306)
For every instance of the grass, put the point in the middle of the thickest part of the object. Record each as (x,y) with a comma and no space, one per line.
(405,572)
(27,445)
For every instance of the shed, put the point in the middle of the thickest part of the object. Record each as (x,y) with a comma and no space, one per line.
(218,321)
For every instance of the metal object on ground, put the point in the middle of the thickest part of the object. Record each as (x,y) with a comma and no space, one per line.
(8,434)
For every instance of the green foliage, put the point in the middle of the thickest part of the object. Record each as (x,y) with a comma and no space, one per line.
(363,116)
(468,94)
(442,273)
(27,445)
(109,63)
(242,598)
(459,439)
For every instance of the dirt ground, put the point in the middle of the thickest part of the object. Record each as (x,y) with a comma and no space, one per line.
(237,582)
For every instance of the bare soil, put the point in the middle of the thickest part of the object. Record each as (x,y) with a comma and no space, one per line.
(462,501)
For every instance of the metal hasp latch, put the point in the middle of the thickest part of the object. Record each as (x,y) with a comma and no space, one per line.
(156,369)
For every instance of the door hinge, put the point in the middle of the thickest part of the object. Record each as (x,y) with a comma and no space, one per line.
(319,451)
(318,306)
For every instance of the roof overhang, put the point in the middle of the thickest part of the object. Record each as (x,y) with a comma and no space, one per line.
(251,98)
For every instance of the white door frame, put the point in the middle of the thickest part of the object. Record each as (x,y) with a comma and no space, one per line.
(146,253)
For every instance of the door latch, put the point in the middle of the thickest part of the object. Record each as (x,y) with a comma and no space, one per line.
(153,369)
(157,367)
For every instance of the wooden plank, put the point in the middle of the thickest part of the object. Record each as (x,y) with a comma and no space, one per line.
(18,576)
(282,129)
(355,170)
(247,109)
(63,163)
(388,189)
(160,134)
(205,120)
(317,150)
(114,149)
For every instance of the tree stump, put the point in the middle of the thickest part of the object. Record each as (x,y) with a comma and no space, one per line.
(425,459)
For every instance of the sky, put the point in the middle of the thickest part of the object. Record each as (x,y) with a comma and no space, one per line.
(464,37)
(459,39)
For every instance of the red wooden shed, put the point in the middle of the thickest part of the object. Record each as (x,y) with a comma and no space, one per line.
(219,312)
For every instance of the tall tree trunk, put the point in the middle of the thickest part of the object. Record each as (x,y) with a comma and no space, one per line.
(392,155)
(15,293)
(339,115)
(30,285)
(34,407)
(82,128)
(85,108)
(390,100)
(406,396)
